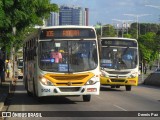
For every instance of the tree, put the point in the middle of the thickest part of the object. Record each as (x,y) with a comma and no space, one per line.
(133,30)
(98,28)
(147,48)
(22,14)
(108,31)
(127,35)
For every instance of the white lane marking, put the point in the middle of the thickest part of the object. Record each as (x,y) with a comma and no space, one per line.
(120,107)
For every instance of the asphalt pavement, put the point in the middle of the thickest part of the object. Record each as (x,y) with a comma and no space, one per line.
(8,85)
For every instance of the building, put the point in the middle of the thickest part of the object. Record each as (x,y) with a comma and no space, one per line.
(69,16)
(53,20)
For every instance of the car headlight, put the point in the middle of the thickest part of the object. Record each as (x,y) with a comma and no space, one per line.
(45,81)
(92,81)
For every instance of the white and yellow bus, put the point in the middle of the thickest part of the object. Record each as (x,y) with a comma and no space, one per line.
(62,61)
(119,62)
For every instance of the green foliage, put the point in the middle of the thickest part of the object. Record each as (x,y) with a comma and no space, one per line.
(148,27)
(133,30)
(21,14)
(127,35)
(148,40)
(108,31)
(147,46)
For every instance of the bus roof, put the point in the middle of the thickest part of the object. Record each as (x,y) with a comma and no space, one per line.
(67,26)
(119,38)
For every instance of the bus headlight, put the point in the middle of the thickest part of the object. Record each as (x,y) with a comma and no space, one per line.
(133,75)
(45,81)
(104,74)
(92,81)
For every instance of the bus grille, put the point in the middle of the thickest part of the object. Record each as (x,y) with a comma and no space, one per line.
(71,89)
(69,79)
(66,83)
(77,77)
(115,80)
(117,72)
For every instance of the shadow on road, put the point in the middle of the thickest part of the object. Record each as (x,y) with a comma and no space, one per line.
(149,86)
(20,97)
(111,89)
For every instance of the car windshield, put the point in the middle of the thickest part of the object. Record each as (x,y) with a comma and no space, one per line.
(68,56)
(119,58)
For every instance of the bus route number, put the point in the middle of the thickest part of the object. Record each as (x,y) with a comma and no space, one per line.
(45,90)
(49,33)
(108,42)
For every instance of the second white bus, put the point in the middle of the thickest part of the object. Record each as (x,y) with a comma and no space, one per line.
(119,62)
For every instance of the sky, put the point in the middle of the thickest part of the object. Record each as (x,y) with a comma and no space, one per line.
(106,11)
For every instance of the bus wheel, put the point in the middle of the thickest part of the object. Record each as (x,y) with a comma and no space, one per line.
(128,87)
(34,90)
(86,98)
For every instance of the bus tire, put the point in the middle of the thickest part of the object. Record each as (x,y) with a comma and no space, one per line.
(86,98)
(34,89)
(128,87)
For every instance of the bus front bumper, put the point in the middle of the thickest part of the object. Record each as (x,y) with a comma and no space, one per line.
(69,90)
(119,81)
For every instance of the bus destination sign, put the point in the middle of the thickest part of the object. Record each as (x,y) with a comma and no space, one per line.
(119,43)
(67,33)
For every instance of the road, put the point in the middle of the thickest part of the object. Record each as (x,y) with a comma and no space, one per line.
(141,98)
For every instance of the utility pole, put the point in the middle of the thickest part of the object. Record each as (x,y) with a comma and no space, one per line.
(154,6)
(13,54)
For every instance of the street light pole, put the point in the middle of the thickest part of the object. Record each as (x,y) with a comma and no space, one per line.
(154,6)
(137,16)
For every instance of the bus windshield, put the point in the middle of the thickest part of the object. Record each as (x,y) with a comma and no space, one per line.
(119,57)
(68,56)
